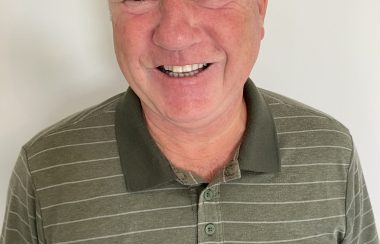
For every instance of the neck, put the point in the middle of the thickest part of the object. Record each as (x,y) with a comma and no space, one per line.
(203,150)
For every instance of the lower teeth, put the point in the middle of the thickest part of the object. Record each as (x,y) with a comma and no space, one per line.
(184,74)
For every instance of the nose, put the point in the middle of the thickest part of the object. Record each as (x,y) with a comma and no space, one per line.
(177,28)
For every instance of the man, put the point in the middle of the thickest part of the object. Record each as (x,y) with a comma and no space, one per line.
(193,152)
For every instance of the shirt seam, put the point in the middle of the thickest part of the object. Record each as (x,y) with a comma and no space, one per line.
(74,119)
(318,113)
(347,182)
(38,204)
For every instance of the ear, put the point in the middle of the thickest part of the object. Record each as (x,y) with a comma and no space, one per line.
(262,6)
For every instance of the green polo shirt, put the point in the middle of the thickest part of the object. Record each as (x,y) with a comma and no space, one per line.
(140,156)
(99,177)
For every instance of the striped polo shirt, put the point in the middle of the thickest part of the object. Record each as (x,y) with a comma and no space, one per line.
(98,177)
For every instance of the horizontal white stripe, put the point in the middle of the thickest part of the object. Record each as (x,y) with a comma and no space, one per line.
(366,198)
(283,221)
(108,196)
(83,200)
(364,214)
(31,217)
(273,104)
(307,165)
(360,214)
(79,129)
(372,240)
(316,130)
(80,181)
(19,233)
(160,189)
(299,116)
(361,231)
(111,111)
(280,241)
(274,98)
(22,185)
(315,147)
(211,242)
(287,184)
(96,108)
(202,223)
(71,145)
(19,180)
(119,214)
(74,163)
(25,165)
(18,199)
(352,201)
(19,217)
(128,233)
(272,222)
(275,203)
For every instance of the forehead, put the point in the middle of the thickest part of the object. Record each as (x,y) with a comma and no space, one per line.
(213,4)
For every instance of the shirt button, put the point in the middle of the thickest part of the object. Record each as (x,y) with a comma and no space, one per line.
(210,229)
(208,195)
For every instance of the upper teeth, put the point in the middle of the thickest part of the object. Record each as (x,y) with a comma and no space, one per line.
(185,68)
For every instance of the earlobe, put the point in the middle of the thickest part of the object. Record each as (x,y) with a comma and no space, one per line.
(262,32)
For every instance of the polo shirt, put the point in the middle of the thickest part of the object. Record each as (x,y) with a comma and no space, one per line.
(98,177)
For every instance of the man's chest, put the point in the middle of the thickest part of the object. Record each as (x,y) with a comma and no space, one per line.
(249,210)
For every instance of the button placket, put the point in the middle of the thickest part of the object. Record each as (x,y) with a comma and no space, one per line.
(209,215)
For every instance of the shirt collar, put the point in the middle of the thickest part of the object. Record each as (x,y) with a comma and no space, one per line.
(145,167)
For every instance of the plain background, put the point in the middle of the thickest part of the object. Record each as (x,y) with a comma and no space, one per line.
(56,57)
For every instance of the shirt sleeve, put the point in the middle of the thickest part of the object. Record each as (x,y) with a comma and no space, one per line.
(22,221)
(360,222)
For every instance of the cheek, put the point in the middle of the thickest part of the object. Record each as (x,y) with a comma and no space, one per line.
(130,37)
(234,31)
(247,38)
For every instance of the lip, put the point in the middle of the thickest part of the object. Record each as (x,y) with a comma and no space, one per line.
(202,76)
(164,69)
(156,65)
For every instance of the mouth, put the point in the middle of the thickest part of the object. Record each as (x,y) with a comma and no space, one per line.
(183,71)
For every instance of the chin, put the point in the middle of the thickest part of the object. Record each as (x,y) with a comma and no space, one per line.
(189,113)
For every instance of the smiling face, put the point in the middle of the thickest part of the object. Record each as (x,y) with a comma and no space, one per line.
(187,60)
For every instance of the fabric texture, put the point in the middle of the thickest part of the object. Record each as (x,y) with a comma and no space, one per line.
(71,183)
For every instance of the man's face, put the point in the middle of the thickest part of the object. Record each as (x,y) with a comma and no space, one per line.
(187,60)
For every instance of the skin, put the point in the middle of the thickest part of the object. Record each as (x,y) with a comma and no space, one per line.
(191,118)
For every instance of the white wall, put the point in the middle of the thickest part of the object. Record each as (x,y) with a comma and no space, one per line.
(56,58)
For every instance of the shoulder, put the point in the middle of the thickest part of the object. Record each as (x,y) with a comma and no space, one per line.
(90,125)
(290,111)
(306,134)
